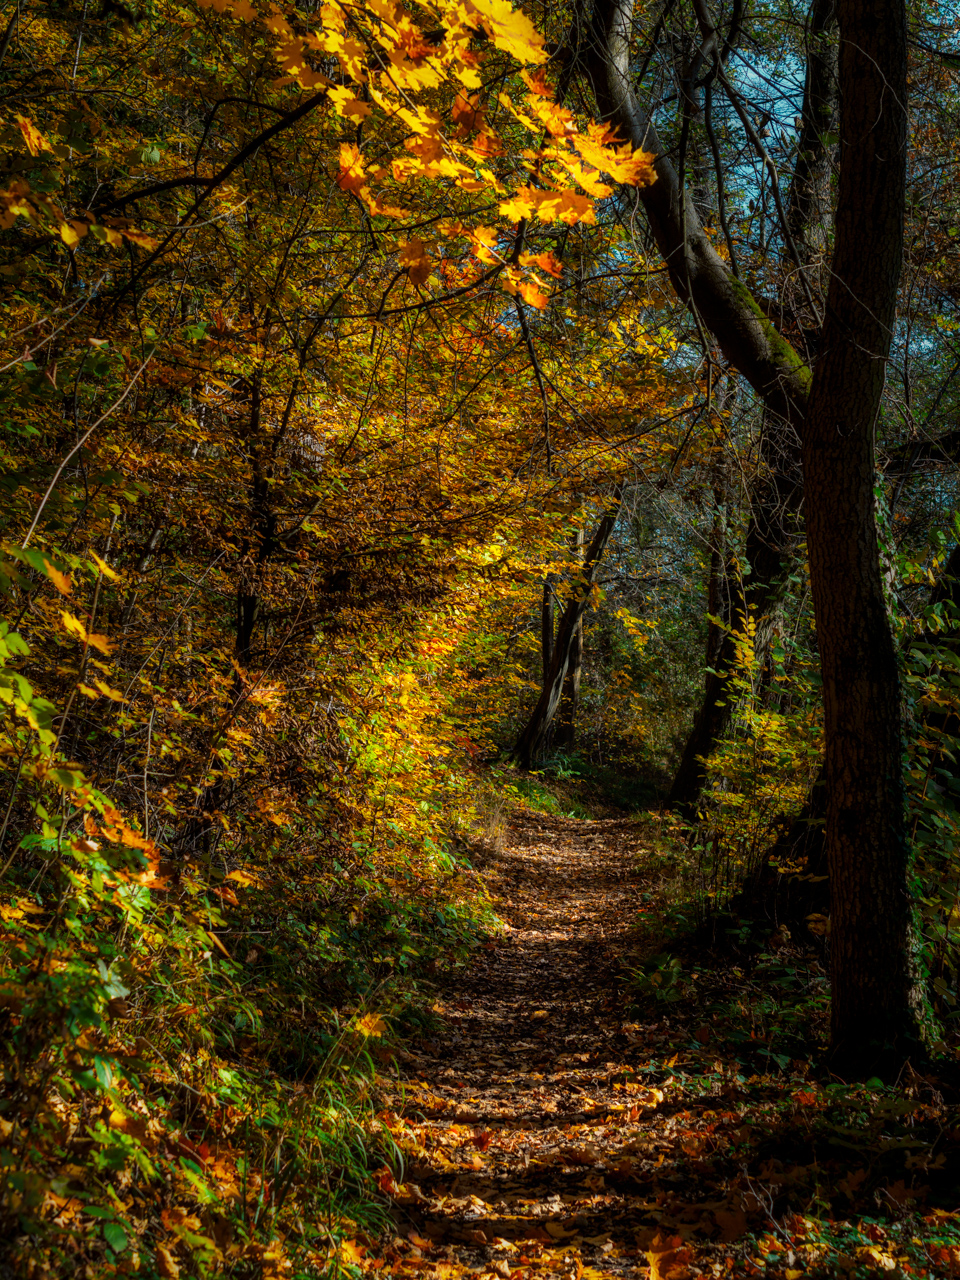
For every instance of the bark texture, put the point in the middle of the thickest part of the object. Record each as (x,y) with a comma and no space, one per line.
(875,1006)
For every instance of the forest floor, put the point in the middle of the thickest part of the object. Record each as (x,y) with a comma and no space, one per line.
(553,1127)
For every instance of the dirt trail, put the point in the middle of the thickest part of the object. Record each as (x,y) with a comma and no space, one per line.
(538,1139)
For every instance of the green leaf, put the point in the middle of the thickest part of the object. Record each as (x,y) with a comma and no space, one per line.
(115,1236)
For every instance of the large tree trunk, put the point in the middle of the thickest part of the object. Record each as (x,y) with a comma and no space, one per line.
(876,1020)
(530,744)
(875,1006)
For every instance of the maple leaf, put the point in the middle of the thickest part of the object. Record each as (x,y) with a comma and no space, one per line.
(508,28)
(546,261)
(91,638)
(347,104)
(467,113)
(531,293)
(667,1257)
(523,204)
(566,206)
(352,174)
(59,580)
(71,233)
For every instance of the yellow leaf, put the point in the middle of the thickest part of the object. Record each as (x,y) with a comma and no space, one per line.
(352,175)
(521,205)
(59,580)
(112,573)
(91,638)
(71,232)
(104,688)
(509,29)
(347,104)
(244,878)
(351,1252)
(371,1024)
(566,206)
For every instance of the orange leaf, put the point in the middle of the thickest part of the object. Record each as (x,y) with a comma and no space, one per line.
(32,136)
(467,113)
(667,1257)
(165,1264)
(217,943)
(546,261)
(352,175)
(531,292)
(413,256)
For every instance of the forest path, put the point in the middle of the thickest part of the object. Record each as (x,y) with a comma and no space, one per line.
(534,1139)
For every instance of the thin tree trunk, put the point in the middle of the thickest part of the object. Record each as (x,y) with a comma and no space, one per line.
(530,744)
(875,1005)
(566,732)
(810,204)
(769,554)
(725,601)
(548,609)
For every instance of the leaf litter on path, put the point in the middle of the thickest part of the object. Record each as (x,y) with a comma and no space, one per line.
(546,1135)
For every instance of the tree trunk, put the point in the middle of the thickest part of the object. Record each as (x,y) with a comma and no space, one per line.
(725,600)
(530,744)
(566,732)
(810,204)
(769,553)
(770,547)
(875,1006)
(547,614)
